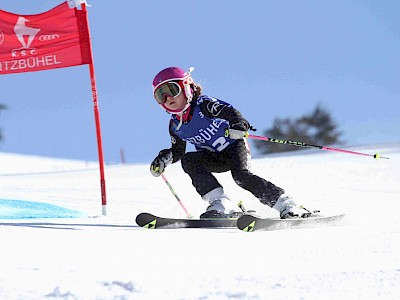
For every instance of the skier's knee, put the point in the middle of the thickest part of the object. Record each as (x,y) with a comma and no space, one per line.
(241,176)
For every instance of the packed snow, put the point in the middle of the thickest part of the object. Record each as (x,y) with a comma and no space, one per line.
(80,254)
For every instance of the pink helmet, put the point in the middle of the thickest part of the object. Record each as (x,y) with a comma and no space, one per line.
(178,75)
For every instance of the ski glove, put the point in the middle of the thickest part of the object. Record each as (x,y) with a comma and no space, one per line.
(236,134)
(159,164)
(237,131)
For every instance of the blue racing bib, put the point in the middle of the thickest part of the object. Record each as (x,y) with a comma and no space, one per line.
(203,132)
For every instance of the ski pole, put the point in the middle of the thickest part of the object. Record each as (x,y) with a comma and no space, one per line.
(176,196)
(301,144)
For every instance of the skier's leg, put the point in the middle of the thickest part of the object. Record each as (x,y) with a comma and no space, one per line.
(265,191)
(199,166)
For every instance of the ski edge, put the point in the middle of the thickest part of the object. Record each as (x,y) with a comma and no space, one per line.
(249,223)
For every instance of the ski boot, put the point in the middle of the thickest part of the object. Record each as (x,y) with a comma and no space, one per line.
(220,206)
(288,208)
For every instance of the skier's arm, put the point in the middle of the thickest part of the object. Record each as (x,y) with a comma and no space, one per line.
(168,156)
(178,147)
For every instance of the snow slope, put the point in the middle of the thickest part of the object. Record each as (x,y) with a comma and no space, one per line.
(97,257)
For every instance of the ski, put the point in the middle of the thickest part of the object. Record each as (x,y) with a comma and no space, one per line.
(251,223)
(150,221)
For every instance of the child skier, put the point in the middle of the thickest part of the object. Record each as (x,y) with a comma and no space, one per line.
(217,131)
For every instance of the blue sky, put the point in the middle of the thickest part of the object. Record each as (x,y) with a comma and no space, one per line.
(268,58)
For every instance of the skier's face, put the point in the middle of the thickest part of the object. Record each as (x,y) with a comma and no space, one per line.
(175,103)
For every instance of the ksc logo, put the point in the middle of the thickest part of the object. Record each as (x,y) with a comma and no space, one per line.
(21,30)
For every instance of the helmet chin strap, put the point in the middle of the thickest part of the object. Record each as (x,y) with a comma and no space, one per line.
(183,115)
(189,96)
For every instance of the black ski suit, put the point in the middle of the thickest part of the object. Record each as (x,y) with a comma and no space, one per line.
(200,165)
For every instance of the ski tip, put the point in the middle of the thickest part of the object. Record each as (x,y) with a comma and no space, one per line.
(151,225)
(146,220)
(246,223)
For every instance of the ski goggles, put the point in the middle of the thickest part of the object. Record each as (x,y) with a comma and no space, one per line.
(169,89)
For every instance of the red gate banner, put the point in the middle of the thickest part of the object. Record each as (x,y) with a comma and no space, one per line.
(57,38)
